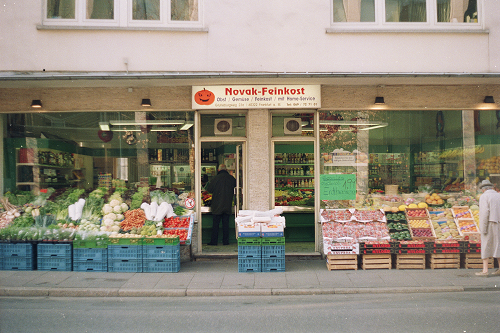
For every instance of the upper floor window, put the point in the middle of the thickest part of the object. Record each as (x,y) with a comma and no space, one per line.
(433,14)
(123,13)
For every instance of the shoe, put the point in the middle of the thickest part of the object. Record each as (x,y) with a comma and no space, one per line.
(481,274)
(497,272)
(212,244)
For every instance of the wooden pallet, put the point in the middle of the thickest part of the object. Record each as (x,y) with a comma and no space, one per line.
(444,260)
(377,261)
(342,261)
(473,260)
(410,261)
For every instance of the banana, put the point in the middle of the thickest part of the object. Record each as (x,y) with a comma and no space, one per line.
(456,181)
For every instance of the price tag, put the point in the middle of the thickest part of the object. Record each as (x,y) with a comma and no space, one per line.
(189,203)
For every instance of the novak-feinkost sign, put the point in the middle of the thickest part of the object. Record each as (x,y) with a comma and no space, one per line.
(256,97)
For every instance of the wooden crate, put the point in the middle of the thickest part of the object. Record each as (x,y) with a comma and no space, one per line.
(342,261)
(444,260)
(377,261)
(410,261)
(473,260)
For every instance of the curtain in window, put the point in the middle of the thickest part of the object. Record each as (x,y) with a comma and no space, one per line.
(146,10)
(405,11)
(444,10)
(339,11)
(64,9)
(184,10)
(353,11)
(100,9)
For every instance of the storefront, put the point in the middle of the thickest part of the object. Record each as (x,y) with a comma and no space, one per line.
(278,145)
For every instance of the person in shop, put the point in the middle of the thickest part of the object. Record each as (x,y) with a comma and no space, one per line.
(489,225)
(204,181)
(222,189)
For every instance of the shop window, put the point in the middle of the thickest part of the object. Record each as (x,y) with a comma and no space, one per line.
(223,125)
(384,14)
(90,150)
(123,13)
(396,152)
(297,124)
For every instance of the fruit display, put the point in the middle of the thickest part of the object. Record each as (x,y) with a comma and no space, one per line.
(444,225)
(401,235)
(416,212)
(355,230)
(419,223)
(461,212)
(334,215)
(491,165)
(434,199)
(421,232)
(395,216)
(475,214)
(466,226)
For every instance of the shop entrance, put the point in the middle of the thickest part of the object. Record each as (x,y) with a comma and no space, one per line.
(294,185)
(213,154)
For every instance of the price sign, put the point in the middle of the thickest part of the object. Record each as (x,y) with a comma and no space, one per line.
(337,187)
(189,203)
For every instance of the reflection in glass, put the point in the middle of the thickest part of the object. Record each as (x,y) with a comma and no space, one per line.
(100,9)
(146,10)
(405,11)
(457,11)
(184,10)
(353,11)
(61,9)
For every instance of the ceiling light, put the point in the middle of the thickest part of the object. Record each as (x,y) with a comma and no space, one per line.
(187,125)
(104,126)
(487,99)
(145,122)
(36,103)
(146,102)
(379,100)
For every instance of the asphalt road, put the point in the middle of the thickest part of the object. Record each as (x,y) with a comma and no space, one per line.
(426,312)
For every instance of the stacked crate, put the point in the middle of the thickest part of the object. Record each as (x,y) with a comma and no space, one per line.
(472,255)
(273,254)
(17,256)
(125,255)
(161,255)
(90,256)
(249,254)
(54,257)
(376,255)
(410,255)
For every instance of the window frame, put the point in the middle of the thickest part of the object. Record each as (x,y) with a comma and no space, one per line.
(430,25)
(122,18)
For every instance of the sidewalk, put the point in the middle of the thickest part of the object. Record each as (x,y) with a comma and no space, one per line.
(220,277)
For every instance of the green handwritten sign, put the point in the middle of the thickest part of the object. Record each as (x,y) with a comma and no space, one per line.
(337,187)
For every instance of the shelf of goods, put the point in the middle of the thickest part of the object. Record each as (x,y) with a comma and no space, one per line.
(37,168)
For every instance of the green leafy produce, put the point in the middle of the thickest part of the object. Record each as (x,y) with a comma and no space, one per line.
(179,210)
(23,221)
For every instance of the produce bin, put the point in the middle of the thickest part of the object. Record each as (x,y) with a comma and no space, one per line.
(161,265)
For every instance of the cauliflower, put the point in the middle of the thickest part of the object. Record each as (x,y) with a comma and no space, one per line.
(115,202)
(111,216)
(119,217)
(108,222)
(115,228)
(117,209)
(106,209)
(124,207)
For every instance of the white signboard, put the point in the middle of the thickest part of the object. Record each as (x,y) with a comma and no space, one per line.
(256,97)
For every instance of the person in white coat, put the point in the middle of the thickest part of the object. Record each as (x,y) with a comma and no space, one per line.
(489,225)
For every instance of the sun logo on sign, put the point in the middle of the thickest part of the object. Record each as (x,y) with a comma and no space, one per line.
(204,97)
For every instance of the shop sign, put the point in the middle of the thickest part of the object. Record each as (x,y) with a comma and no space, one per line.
(337,187)
(256,97)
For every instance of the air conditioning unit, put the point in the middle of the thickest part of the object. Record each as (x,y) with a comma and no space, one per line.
(292,126)
(223,126)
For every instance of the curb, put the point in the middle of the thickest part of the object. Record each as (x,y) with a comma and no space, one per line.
(115,292)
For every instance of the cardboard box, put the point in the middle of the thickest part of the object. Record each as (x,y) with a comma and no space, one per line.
(249,230)
(272,230)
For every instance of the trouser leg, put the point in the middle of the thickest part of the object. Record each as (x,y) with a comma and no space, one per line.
(225,229)
(215,229)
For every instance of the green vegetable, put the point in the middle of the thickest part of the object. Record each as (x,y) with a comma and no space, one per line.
(179,211)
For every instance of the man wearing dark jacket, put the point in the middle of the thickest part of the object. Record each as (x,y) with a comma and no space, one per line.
(222,189)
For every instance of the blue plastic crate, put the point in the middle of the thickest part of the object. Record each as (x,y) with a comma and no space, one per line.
(125,265)
(125,252)
(161,265)
(90,265)
(17,250)
(54,250)
(161,252)
(249,265)
(273,251)
(273,265)
(54,264)
(90,253)
(249,252)
(18,263)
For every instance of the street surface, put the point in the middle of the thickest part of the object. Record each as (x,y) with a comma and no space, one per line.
(461,312)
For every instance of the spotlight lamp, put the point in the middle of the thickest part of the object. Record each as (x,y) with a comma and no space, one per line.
(36,103)
(489,99)
(146,102)
(379,100)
